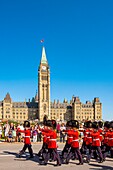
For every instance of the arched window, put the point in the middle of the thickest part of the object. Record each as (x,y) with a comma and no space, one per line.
(44,107)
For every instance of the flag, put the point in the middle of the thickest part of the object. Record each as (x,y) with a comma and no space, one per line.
(42,40)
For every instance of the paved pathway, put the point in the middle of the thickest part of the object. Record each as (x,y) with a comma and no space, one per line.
(8,161)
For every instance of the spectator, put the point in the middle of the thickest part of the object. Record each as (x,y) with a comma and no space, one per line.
(39,135)
(10,136)
(62,133)
(14,134)
(20,135)
(58,130)
(34,134)
(6,130)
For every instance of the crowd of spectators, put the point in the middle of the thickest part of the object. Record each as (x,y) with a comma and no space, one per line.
(9,132)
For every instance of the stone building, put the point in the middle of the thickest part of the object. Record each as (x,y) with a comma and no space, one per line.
(41,104)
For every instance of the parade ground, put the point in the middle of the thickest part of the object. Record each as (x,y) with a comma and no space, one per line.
(9,160)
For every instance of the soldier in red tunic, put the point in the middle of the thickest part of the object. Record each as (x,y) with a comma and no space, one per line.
(44,148)
(95,143)
(75,143)
(27,142)
(84,146)
(89,137)
(69,140)
(52,144)
(100,124)
(110,140)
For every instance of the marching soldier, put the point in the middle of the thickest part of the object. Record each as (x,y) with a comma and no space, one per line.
(95,143)
(105,147)
(100,124)
(52,144)
(89,137)
(44,149)
(69,140)
(27,142)
(110,140)
(84,146)
(75,143)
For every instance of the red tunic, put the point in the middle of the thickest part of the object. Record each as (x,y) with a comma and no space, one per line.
(45,138)
(85,132)
(69,136)
(110,138)
(27,135)
(105,135)
(75,135)
(96,139)
(89,137)
(52,144)
(101,136)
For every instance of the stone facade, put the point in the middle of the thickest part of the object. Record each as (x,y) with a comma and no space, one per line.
(41,105)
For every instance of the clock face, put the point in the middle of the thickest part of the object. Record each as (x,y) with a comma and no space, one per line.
(43,67)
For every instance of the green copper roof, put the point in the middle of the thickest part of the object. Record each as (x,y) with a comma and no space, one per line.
(43,59)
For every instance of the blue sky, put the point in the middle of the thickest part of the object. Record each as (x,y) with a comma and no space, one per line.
(79,46)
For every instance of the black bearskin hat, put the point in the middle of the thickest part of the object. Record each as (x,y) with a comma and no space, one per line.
(85,124)
(75,124)
(69,123)
(107,124)
(54,124)
(100,124)
(45,120)
(26,124)
(111,124)
(95,125)
(49,123)
(89,124)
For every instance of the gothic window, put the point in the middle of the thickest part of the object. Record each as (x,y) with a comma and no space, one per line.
(44,77)
(44,107)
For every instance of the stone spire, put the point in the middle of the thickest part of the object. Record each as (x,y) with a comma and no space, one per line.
(43,59)
(36,97)
(8,98)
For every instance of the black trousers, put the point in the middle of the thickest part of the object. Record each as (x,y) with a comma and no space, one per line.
(29,149)
(62,137)
(93,149)
(75,151)
(43,150)
(107,149)
(39,137)
(55,155)
(83,148)
(66,150)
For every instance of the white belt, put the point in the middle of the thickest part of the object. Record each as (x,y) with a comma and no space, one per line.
(89,137)
(96,139)
(46,136)
(75,140)
(87,132)
(110,138)
(70,137)
(26,136)
(52,139)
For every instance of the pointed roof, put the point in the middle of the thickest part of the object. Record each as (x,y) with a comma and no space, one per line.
(7,98)
(43,59)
